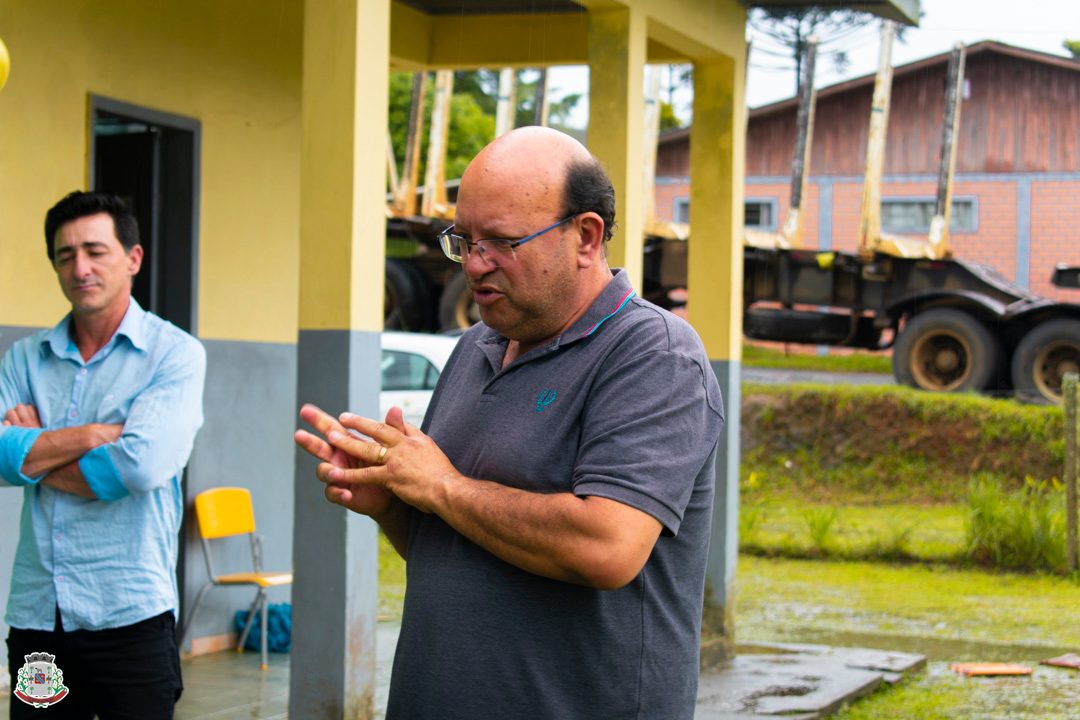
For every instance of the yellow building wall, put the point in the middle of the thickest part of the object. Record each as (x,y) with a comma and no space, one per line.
(235,67)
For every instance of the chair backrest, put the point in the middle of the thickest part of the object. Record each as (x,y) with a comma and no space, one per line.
(224,511)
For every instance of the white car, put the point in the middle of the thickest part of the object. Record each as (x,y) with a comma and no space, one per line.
(411,363)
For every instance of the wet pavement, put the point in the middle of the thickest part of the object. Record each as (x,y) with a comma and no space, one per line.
(939,649)
(797,681)
(778,376)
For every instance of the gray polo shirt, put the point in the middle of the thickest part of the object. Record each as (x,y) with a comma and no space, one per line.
(624,405)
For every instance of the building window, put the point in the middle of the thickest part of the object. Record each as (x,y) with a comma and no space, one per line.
(913,215)
(681,212)
(758,213)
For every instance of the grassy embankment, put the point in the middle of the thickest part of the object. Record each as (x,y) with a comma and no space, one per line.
(894,474)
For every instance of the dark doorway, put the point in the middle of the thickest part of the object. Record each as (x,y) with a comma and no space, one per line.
(150,158)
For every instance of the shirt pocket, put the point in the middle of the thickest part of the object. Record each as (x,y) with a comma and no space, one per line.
(113,408)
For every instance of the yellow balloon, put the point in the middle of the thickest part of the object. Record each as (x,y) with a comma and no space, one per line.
(5,63)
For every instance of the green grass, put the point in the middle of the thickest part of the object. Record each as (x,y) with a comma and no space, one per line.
(391,581)
(858,361)
(940,694)
(779,526)
(778,599)
(1019,530)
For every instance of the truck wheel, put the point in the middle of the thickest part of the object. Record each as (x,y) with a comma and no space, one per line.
(1042,358)
(457,311)
(945,351)
(406,297)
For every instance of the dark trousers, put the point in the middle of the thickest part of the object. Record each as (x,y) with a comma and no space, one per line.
(126,673)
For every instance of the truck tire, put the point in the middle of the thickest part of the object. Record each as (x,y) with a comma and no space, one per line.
(457,311)
(945,350)
(1043,356)
(406,297)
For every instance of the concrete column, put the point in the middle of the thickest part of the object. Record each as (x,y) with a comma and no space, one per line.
(617,122)
(715,266)
(342,240)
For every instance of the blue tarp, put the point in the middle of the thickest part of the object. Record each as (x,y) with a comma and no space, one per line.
(279,628)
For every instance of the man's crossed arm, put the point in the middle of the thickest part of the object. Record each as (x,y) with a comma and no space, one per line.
(56,453)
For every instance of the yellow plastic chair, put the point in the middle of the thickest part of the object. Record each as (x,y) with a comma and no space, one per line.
(225,512)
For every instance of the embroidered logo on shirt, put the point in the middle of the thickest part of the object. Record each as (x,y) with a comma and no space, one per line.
(40,683)
(545,398)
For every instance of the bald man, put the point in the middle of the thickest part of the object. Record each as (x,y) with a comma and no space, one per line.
(554,509)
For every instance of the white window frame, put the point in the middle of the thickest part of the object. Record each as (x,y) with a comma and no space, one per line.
(923,199)
(681,208)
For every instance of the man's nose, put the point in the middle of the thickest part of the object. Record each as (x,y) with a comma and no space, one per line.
(82,265)
(476,264)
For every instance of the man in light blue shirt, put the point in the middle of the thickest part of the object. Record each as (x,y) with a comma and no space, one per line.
(99,417)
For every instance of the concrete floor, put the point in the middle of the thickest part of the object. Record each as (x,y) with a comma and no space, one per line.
(230,686)
(797,681)
(226,686)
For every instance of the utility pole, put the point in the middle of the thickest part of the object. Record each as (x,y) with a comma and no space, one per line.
(1069,392)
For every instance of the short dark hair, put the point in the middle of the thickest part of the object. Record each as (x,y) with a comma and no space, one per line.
(589,189)
(82,204)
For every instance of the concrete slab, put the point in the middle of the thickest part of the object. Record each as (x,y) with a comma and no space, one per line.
(803,682)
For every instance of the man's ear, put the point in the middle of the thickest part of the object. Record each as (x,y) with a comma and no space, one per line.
(591,229)
(135,258)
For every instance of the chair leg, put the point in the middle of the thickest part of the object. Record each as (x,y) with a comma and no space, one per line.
(191,615)
(251,616)
(265,635)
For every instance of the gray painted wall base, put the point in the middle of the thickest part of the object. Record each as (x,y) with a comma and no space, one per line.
(718,625)
(246,441)
(335,552)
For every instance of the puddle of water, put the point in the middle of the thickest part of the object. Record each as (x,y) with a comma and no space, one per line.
(935,649)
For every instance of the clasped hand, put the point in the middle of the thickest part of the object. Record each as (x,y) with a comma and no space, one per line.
(366,474)
(22,415)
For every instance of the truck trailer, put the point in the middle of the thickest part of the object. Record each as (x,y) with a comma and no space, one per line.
(952,325)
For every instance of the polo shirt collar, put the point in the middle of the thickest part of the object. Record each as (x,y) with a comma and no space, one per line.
(610,302)
(131,327)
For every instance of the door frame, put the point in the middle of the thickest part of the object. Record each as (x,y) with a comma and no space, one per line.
(101,104)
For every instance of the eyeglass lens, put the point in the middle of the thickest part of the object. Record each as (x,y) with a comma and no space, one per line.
(487,248)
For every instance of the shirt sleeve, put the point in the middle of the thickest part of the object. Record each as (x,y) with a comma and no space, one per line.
(158,433)
(15,442)
(651,423)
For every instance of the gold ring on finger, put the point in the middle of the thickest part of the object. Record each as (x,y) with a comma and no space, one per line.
(384,452)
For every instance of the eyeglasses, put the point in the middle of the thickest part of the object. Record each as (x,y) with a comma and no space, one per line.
(494,250)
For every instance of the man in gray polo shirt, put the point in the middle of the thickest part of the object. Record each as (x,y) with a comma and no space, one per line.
(554,512)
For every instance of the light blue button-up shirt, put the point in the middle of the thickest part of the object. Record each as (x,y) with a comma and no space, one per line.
(108,562)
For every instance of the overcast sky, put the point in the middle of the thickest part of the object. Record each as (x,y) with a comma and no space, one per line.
(1035,24)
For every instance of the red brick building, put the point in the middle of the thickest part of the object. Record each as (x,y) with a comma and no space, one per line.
(1016,195)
